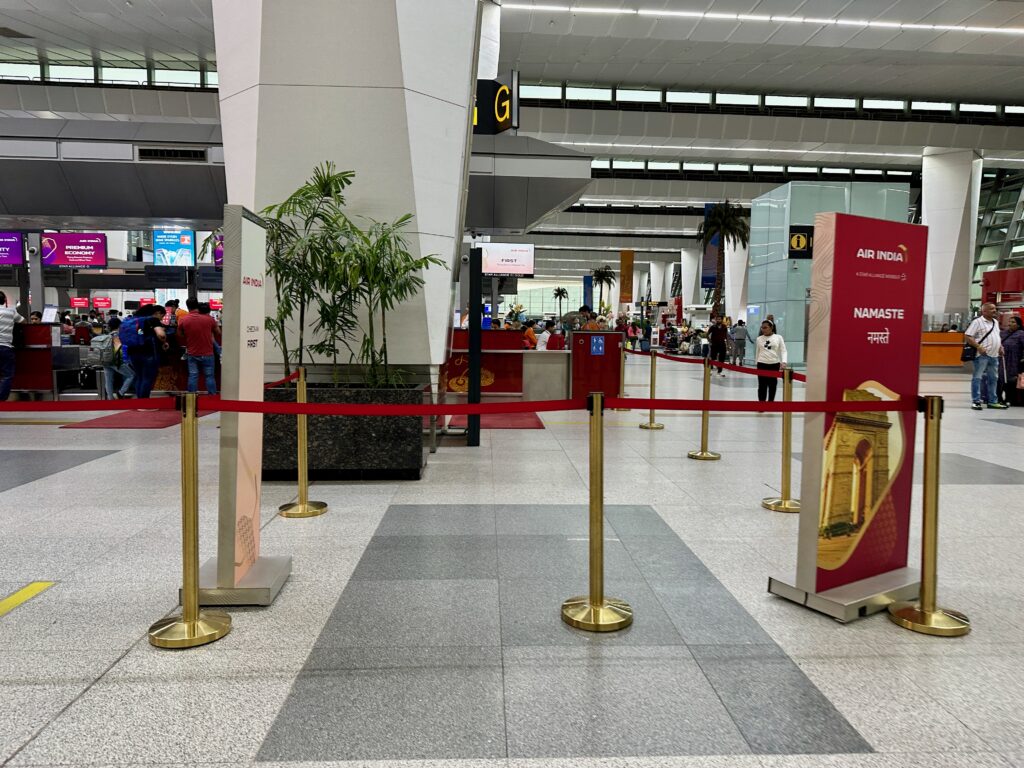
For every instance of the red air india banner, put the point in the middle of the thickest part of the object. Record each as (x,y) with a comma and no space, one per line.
(864,331)
(625,277)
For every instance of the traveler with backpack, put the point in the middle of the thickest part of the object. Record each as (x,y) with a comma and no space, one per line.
(199,333)
(140,333)
(109,353)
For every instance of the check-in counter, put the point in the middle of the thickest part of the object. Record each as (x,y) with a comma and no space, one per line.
(546,374)
(941,349)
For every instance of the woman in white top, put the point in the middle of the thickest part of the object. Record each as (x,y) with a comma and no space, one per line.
(770,356)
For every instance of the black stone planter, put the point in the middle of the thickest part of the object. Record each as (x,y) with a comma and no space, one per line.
(347,447)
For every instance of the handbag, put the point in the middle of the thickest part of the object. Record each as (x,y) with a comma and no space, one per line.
(968,353)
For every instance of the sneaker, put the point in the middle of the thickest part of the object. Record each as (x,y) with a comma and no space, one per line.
(998,406)
(722,374)
(976,406)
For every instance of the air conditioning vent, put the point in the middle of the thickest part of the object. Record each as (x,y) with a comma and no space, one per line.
(172,154)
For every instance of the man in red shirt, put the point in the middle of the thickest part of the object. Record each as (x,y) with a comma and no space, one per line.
(197,333)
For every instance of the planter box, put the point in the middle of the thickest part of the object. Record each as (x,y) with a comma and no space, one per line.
(347,447)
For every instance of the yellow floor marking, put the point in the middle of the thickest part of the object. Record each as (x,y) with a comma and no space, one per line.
(24,594)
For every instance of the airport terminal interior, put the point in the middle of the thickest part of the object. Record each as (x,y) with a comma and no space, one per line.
(468,384)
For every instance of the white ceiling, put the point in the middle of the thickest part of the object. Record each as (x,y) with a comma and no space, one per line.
(679,52)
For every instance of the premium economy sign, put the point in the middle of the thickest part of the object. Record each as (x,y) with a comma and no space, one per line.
(864,338)
(74,249)
(12,249)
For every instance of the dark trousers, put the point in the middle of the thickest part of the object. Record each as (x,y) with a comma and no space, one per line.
(718,354)
(6,372)
(146,366)
(766,385)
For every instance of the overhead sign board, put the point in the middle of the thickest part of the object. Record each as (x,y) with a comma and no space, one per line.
(74,249)
(12,249)
(496,107)
(801,242)
(507,259)
(174,248)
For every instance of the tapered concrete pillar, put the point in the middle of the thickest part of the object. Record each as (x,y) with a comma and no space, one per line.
(659,288)
(689,264)
(380,87)
(639,286)
(950,188)
(736,257)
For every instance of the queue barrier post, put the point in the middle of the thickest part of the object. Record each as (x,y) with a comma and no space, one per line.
(705,416)
(303,507)
(651,423)
(622,371)
(784,503)
(924,616)
(193,627)
(595,612)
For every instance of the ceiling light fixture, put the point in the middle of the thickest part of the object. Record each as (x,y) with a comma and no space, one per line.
(902,26)
(768,150)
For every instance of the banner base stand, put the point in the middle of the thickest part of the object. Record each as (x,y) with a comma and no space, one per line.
(260,586)
(855,600)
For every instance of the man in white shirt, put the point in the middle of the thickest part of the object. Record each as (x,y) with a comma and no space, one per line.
(983,335)
(8,319)
(542,340)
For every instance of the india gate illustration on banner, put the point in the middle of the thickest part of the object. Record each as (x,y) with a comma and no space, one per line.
(863,451)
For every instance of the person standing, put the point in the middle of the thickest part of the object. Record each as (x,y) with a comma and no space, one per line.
(1013,357)
(770,356)
(199,333)
(983,335)
(718,339)
(119,364)
(8,319)
(140,334)
(740,337)
(542,340)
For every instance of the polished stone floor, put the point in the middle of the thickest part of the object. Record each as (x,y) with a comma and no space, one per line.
(421,620)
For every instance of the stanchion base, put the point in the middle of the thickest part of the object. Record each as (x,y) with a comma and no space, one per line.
(704,455)
(651,425)
(579,612)
(309,509)
(175,632)
(942,622)
(781,505)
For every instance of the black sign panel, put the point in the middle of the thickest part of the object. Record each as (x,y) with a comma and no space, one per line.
(210,279)
(166,277)
(801,242)
(494,106)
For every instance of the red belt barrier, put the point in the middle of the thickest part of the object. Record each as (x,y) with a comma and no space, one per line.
(148,404)
(285,380)
(634,352)
(730,367)
(825,406)
(366,409)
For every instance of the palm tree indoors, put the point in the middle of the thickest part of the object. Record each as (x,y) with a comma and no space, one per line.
(603,276)
(730,225)
(559,294)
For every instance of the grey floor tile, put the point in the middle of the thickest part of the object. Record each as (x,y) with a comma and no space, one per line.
(665,559)
(628,522)
(706,613)
(429,557)
(775,706)
(542,519)
(437,520)
(26,465)
(531,615)
(414,613)
(560,557)
(421,709)
(958,469)
(615,708)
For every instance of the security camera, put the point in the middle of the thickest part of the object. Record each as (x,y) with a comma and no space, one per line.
(32,250)
(465,258)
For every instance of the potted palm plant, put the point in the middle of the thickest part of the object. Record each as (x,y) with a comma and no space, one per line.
(726,222)
(343,280)
(603,276)
(559,294)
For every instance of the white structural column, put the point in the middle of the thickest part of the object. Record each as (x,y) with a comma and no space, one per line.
(659,291)
(689,261)
(639,285)
(380,87)
(950,189)
(736,258)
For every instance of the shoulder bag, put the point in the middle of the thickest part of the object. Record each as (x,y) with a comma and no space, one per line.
(969,352)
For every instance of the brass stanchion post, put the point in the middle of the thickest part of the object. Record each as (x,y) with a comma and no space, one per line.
(705,417)
(924,616)
(193,627)
(784,503)
(595,612)
(622,371)
(651,423)
(303,507)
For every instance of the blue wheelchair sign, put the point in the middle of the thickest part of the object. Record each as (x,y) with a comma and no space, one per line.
(597,345)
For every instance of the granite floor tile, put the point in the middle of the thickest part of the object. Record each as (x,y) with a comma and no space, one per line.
(341,710)
(705,613)
(542,519)
(775,706)
(26,465)
(560,558)
(429,557)
(615,707)
(412,613)
(437,520)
